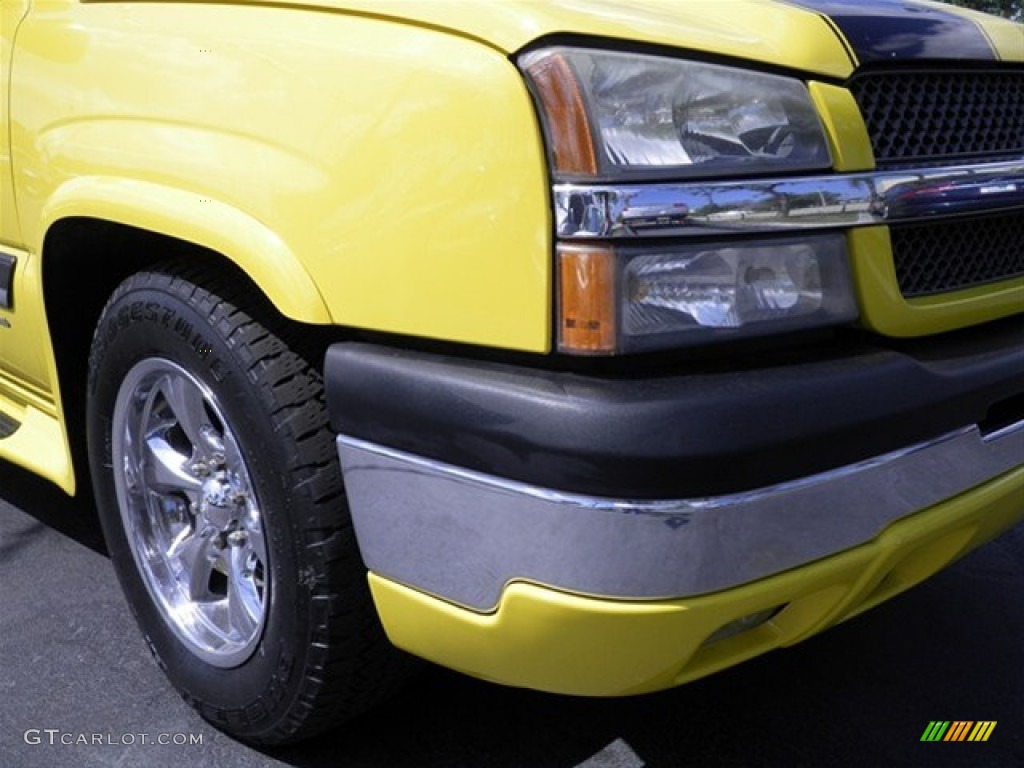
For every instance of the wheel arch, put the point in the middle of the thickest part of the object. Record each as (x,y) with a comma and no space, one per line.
(203,222)
(89,249)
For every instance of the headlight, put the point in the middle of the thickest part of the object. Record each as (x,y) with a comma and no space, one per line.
(615,300)
(611,116)
(608,114)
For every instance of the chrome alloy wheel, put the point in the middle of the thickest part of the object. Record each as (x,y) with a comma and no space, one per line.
(190,512)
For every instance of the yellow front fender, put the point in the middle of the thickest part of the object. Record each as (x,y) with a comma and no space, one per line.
(210,223)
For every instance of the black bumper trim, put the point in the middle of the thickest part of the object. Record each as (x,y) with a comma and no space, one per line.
(682,435)
(6,281)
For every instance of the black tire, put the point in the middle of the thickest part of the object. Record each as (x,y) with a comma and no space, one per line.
(317,655)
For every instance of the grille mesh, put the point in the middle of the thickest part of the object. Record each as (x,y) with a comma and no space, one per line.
(941,115)
(950,255)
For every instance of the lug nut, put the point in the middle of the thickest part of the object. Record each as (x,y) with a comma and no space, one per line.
(237,538)
(200,469)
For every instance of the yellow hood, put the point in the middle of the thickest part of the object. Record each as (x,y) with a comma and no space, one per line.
(757,30)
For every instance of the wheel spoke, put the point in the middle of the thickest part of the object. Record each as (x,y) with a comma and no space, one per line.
(187,403)
(233,456)
(195,566)
(178,544)
(244,605)
(166,469)
(256,544)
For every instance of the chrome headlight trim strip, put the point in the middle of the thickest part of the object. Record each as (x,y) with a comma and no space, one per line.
(698,209)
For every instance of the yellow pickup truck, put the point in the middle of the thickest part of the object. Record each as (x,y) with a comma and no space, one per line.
(585,346)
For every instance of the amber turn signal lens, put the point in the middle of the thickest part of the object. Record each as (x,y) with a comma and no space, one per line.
(572,146)
(586,311)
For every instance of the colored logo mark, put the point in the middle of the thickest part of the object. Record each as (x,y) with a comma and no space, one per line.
(958,730)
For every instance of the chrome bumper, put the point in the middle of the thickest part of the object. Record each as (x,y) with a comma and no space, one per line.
(463,535)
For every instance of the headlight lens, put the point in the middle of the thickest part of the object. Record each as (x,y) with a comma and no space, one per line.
(611,114)
(639,299)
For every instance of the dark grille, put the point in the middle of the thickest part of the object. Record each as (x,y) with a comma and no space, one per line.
(926,116)
(958,253)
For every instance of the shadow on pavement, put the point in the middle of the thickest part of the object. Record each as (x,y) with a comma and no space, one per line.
(74,517)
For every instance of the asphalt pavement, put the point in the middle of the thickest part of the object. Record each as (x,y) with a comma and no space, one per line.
(79,689)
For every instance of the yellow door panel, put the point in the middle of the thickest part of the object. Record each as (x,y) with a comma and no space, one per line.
(11,13)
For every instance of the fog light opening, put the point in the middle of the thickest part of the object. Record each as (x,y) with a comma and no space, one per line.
(743,624)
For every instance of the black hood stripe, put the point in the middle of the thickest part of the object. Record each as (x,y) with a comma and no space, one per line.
(887,30)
